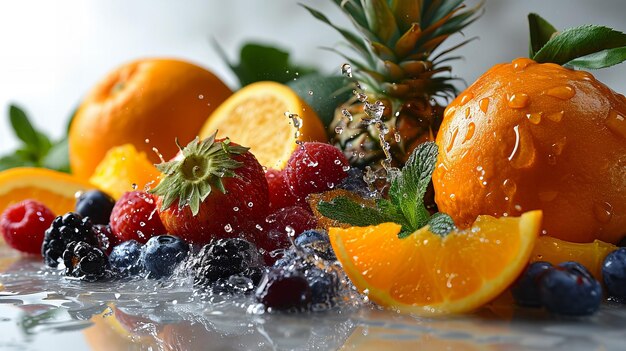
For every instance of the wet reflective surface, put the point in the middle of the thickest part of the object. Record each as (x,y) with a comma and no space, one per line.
(39,308)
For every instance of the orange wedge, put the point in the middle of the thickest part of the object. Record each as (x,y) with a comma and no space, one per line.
(590,255)
(55,189)
(255,117)
(426,274)
(121,168)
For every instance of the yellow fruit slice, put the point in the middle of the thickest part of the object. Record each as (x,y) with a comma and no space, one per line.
(590,255)
(55,189)
(255,117)
(122,167)
(426,274)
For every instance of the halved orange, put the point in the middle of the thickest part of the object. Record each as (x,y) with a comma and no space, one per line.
(590,255)
(255,117)
(55,189)
(426,274)
(121,168)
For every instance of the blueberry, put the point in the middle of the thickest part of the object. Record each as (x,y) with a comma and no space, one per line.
(124,258)
(355,183)
(569,289)
(526,290)
(96,205)
(282,289)
(310,236)
(614,274)
(324,285)
(162,254)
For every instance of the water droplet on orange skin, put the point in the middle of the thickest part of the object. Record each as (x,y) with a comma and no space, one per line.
(564,92)
(449,112)
(603,211)
(484,104)
(616,122)
(518,100)
(470,132)
(534,118)
(556,117)
(466,98)
(452,138)
(547,196)
(524,153)
(509,187)
(520,63)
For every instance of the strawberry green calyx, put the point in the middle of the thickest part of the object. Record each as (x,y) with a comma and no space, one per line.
(200,166)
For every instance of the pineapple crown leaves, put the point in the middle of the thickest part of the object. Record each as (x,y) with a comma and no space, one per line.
(396,39)
(191,177)
(405,205)
(582,47)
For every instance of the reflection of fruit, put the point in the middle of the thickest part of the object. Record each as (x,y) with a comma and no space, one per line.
(255,116)
(557,251)
(54,189)
(325,222)
(425,273)
(152,99)
(531,136)
(134,217)
(23,225)
(121,168)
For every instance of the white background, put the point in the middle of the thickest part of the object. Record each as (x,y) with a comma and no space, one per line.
(52,52)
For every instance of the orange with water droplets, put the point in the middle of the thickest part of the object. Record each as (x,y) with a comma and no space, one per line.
(549,138)
(427,274)
(147,103)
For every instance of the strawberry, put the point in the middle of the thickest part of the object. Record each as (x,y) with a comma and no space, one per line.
(23,225)
(315,167)
(134,217)
(212,189)
(281,195)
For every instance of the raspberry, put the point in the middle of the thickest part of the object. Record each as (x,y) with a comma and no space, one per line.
(281,195)
(23,225)
(85,261)
(63,230)
(273,235)
(315,167)
(135,217)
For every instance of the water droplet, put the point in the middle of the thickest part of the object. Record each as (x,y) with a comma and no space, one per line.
(509,187)
(556,117)
(346,114)
(228,228)
(250,204)
(452,139)
(147,141)
(449,111)
(338,129)
(484,104)
(346,70)
(200,96)
(310,92)
(134,186)
(547,196)
(470,132)
(534,118)
(466,98)
(564,92)
(524,153)
(520,63)
(551,159)
(559,145)
(616,123)
(603,211)
(236,209)
(518,100)
(467,112)
(397,137)
(156,151)
(142,224)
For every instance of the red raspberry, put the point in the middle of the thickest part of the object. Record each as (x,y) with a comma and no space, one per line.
(315,167)
(23,225)
(273,234)
(281,195)
(135,216)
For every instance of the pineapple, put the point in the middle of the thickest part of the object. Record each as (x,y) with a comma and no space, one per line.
(398,67)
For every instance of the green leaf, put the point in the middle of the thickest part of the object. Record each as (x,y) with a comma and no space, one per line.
(259,62)
(323,93)
(23,128)
(602,59)
(540,32)
(408,188)
(347,211)
(12,161)
(58,157)
(578,42)
(441,224)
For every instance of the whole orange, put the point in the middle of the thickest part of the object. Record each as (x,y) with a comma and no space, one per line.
(529,136)
(147,103)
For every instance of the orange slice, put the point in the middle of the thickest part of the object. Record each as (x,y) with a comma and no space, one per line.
(590,255)
(255,117)
(426,274)
(122,167)
(55,189)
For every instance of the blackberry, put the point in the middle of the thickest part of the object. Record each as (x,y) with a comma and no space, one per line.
(284,289)
(224,258)
(85,261)
(65,229)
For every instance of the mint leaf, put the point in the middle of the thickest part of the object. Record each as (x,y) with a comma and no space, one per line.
(12,161)
(441,224)
(350,212)
(578,42)
(540,32)
(58,157)
(24,129)
(408,188)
